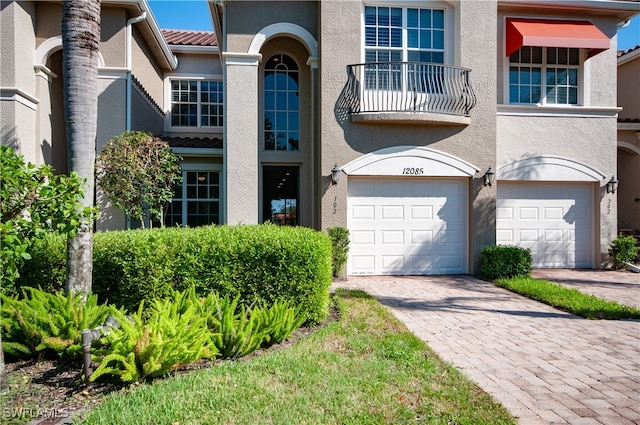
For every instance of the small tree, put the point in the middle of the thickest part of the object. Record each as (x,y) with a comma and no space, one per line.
(35,202)
(138,172)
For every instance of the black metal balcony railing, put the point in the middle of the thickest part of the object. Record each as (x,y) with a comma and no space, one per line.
(408,87)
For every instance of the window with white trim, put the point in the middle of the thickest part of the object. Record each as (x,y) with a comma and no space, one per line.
(402,34)
(196,103)
(544,75)
(196,200)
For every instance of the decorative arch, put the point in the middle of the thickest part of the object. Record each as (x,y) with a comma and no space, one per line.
(49,47)
(549,168)
(626,146)
(284,28)
(420,161)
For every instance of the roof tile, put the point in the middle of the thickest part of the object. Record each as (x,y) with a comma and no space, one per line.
(190,37)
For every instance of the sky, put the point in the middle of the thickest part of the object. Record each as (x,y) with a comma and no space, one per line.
(194,15)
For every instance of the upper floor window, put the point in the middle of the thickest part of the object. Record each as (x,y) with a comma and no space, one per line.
(196,103)
(544,75)
(281,104)
(404,34)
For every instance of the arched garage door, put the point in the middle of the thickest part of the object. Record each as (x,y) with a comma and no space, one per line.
(407,226)
(554,220)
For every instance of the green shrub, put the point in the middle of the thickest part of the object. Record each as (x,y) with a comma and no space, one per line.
(339,248)
(258,263)
(175,333)
(623,249)
(504,261)
(44,322)
(47,267)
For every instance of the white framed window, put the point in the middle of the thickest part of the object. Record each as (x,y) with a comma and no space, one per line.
(197,198)
(545,76)
(195,103)
(404,34)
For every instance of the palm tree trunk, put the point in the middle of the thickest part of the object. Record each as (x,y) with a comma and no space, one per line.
(80,48)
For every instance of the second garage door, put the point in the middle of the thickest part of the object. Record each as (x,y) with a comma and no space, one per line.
(554,220)
(407,226)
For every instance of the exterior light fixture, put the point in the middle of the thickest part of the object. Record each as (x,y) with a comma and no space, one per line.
(489,177)
(335,174)
(612,185)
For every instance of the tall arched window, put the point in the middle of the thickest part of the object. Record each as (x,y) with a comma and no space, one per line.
(281,104)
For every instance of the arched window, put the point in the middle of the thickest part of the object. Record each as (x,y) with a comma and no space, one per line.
(281,104)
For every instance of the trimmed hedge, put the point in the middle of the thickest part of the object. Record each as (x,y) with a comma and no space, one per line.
(256,262)
(505,261)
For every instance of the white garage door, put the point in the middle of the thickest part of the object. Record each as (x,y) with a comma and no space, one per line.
(407,226)
(554,220)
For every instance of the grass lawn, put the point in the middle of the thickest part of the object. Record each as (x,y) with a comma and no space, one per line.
(568,299)
(365,368)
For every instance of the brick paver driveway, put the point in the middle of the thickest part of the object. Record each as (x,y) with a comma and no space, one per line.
(544,365)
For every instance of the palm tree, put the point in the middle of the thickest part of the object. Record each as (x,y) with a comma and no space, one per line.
(80,47)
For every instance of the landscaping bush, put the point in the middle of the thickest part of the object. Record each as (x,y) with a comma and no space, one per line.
(174,333)
(44,322)
(504,261)
(623,249)
(258,263)
(339,248)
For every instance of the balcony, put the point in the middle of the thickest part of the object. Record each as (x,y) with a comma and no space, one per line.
(408,92)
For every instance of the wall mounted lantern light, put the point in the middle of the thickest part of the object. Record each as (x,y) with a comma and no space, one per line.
(489,177)
(612,185)
(335,174)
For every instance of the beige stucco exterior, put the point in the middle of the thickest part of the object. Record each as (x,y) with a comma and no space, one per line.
(629,142)
(324,37)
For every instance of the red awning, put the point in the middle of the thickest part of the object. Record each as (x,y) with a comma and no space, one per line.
(552,33)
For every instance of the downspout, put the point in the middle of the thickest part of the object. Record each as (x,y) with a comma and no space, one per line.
(129,65)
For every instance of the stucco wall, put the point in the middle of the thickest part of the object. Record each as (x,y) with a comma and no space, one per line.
(628,89)
(208,64)
(145,116)
(242,26)
(144,67)
(629,177)
(344,141)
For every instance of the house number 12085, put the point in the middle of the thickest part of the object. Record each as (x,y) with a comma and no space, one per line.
(413,171)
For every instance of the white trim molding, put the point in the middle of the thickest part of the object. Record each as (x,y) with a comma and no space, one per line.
(15,94)
(626,146)
(558,111)
(548,168)
(629,126)
(284,28)
(49,47)
(409,161)
(241,59)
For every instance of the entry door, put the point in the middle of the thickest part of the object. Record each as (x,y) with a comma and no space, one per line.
(281,194)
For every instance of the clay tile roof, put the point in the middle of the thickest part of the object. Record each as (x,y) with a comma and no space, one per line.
(190,38)
(625,52)
(629,120)
(193,142)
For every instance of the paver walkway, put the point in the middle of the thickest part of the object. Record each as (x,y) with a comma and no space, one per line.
(544,365)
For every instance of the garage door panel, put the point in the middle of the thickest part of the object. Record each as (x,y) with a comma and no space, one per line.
(392,212)
(554,220)
(407,232)
(364,212)
(363,237)
(421,212)
(421,237)
(392,237)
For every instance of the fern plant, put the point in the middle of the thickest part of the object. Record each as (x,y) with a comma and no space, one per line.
(42,322)
(172,335)
(279,321)
(235,332)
